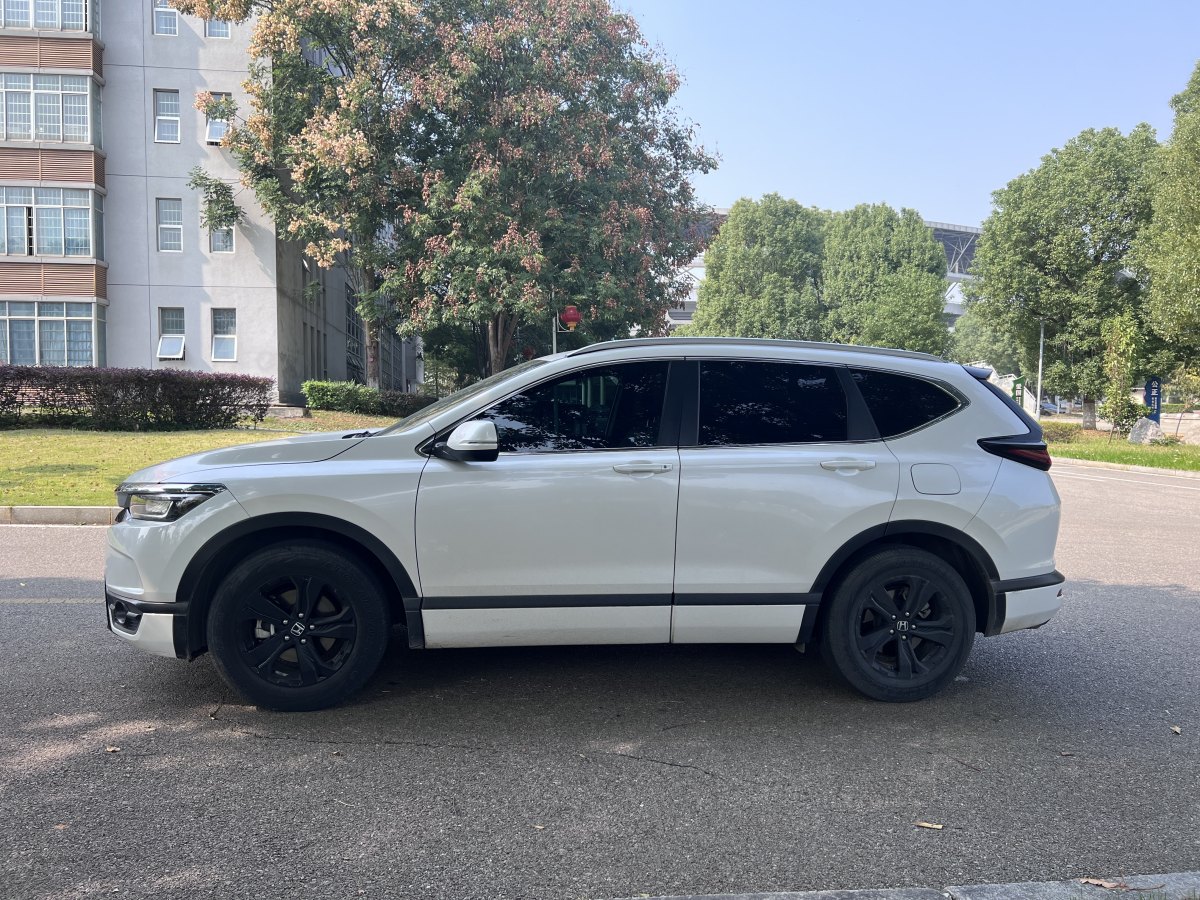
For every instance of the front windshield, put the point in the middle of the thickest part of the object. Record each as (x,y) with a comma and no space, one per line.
(429,412)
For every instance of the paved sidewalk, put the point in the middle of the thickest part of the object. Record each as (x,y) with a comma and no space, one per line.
(1175,886)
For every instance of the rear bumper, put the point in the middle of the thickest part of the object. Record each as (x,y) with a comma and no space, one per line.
(1029,602)
(158,628)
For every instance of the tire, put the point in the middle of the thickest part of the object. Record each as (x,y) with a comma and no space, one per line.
(298,626)
(898,590)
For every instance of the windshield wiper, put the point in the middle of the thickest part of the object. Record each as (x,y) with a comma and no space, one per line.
(357,434)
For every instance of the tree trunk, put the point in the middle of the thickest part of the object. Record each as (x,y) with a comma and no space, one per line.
(1089,412)
(499,337)
(374,366)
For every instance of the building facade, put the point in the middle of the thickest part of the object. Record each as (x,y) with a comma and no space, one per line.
(103,260)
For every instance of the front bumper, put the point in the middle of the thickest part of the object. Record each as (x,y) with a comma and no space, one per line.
(158,628)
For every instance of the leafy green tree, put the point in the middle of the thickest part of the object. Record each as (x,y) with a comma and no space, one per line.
(1056,249)
(1122,348)
(1170,248)
(976,339)
(475,161)
(763,273)
(884,279)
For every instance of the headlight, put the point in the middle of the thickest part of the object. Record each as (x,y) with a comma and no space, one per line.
(163,502)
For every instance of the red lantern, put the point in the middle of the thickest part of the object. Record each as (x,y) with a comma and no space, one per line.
(571,317)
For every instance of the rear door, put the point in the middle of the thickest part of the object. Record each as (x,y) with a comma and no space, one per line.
(778,471)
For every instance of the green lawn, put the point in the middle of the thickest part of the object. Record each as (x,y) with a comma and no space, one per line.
(66,467)
(1096,445)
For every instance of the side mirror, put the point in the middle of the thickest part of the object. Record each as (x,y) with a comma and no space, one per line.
(474,441)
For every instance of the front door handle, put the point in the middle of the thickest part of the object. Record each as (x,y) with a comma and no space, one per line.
(642,468)
(852,465)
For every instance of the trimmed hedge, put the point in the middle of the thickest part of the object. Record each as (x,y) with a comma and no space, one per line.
(346,396)
(129,399)
(1060,432)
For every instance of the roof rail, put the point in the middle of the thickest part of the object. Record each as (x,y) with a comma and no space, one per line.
(749,342)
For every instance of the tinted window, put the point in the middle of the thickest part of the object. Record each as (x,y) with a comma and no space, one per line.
(900,403)
(770,403)
(596,409)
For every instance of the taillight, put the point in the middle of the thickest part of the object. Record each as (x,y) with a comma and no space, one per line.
(1021,449)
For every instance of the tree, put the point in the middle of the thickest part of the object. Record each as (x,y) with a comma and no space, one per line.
(1170,248)
(978,340)
(1056,249)
(884,279)
(763,273)
(478,161)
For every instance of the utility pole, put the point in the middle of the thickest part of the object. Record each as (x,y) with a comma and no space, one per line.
(1041,348)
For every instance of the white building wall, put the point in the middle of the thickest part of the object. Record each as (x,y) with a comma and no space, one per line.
(142,278)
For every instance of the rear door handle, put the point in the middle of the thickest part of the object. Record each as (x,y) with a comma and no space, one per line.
(642,468)
(852,465)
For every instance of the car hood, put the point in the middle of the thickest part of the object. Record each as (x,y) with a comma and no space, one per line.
(301,449)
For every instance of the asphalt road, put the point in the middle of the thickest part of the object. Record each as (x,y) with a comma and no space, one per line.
(613,772)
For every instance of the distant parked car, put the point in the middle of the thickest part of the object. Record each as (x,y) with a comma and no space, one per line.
(884,505)
(1048,407)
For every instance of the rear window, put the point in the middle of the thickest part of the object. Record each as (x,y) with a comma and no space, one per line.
(901,403)
(751,402)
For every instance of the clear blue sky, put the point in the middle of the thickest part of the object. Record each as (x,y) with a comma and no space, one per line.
(926,105)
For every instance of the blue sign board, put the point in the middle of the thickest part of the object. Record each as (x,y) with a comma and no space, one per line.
(1154,397)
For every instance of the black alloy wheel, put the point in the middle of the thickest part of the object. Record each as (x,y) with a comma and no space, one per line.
(298,626)
(901,625)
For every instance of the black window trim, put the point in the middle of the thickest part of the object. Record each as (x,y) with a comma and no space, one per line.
(668,418)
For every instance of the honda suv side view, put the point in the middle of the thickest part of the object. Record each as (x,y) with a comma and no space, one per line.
(884,505)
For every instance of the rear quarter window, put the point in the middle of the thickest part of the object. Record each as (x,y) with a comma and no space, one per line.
(902,403)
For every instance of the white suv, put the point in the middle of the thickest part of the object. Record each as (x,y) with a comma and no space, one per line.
(886,505)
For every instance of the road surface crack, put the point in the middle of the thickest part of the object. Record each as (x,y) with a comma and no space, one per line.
(664,762)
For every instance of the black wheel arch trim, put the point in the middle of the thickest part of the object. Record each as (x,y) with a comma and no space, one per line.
(197,570)
(1029,582)
(995,599)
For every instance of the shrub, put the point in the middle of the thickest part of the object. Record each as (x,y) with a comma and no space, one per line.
(1166,440)
(129,399)
(1061,432)
(346,396)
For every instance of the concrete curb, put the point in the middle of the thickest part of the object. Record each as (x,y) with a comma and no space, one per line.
(1176,886)
(1124,467)
(58,515)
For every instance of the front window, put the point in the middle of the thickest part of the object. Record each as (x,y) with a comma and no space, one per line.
(50,15)
(220,240)
(224,329)
(216,128)
(45,108)
(602,408)
(171,323)
(47,333)
(216,28)
(170,224)
(46,221)
(166,117)
(166,19)
(750,402)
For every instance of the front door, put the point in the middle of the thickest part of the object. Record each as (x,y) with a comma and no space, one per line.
(569,536)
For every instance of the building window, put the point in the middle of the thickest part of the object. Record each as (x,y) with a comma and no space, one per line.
(51,15)
(170,332)
(45,108)
(166,117)
(355,368)
(217,127)
(220,240)
(170,224)
(47,333)
(46,222)
(216,28)
(224,329)
(166,19)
